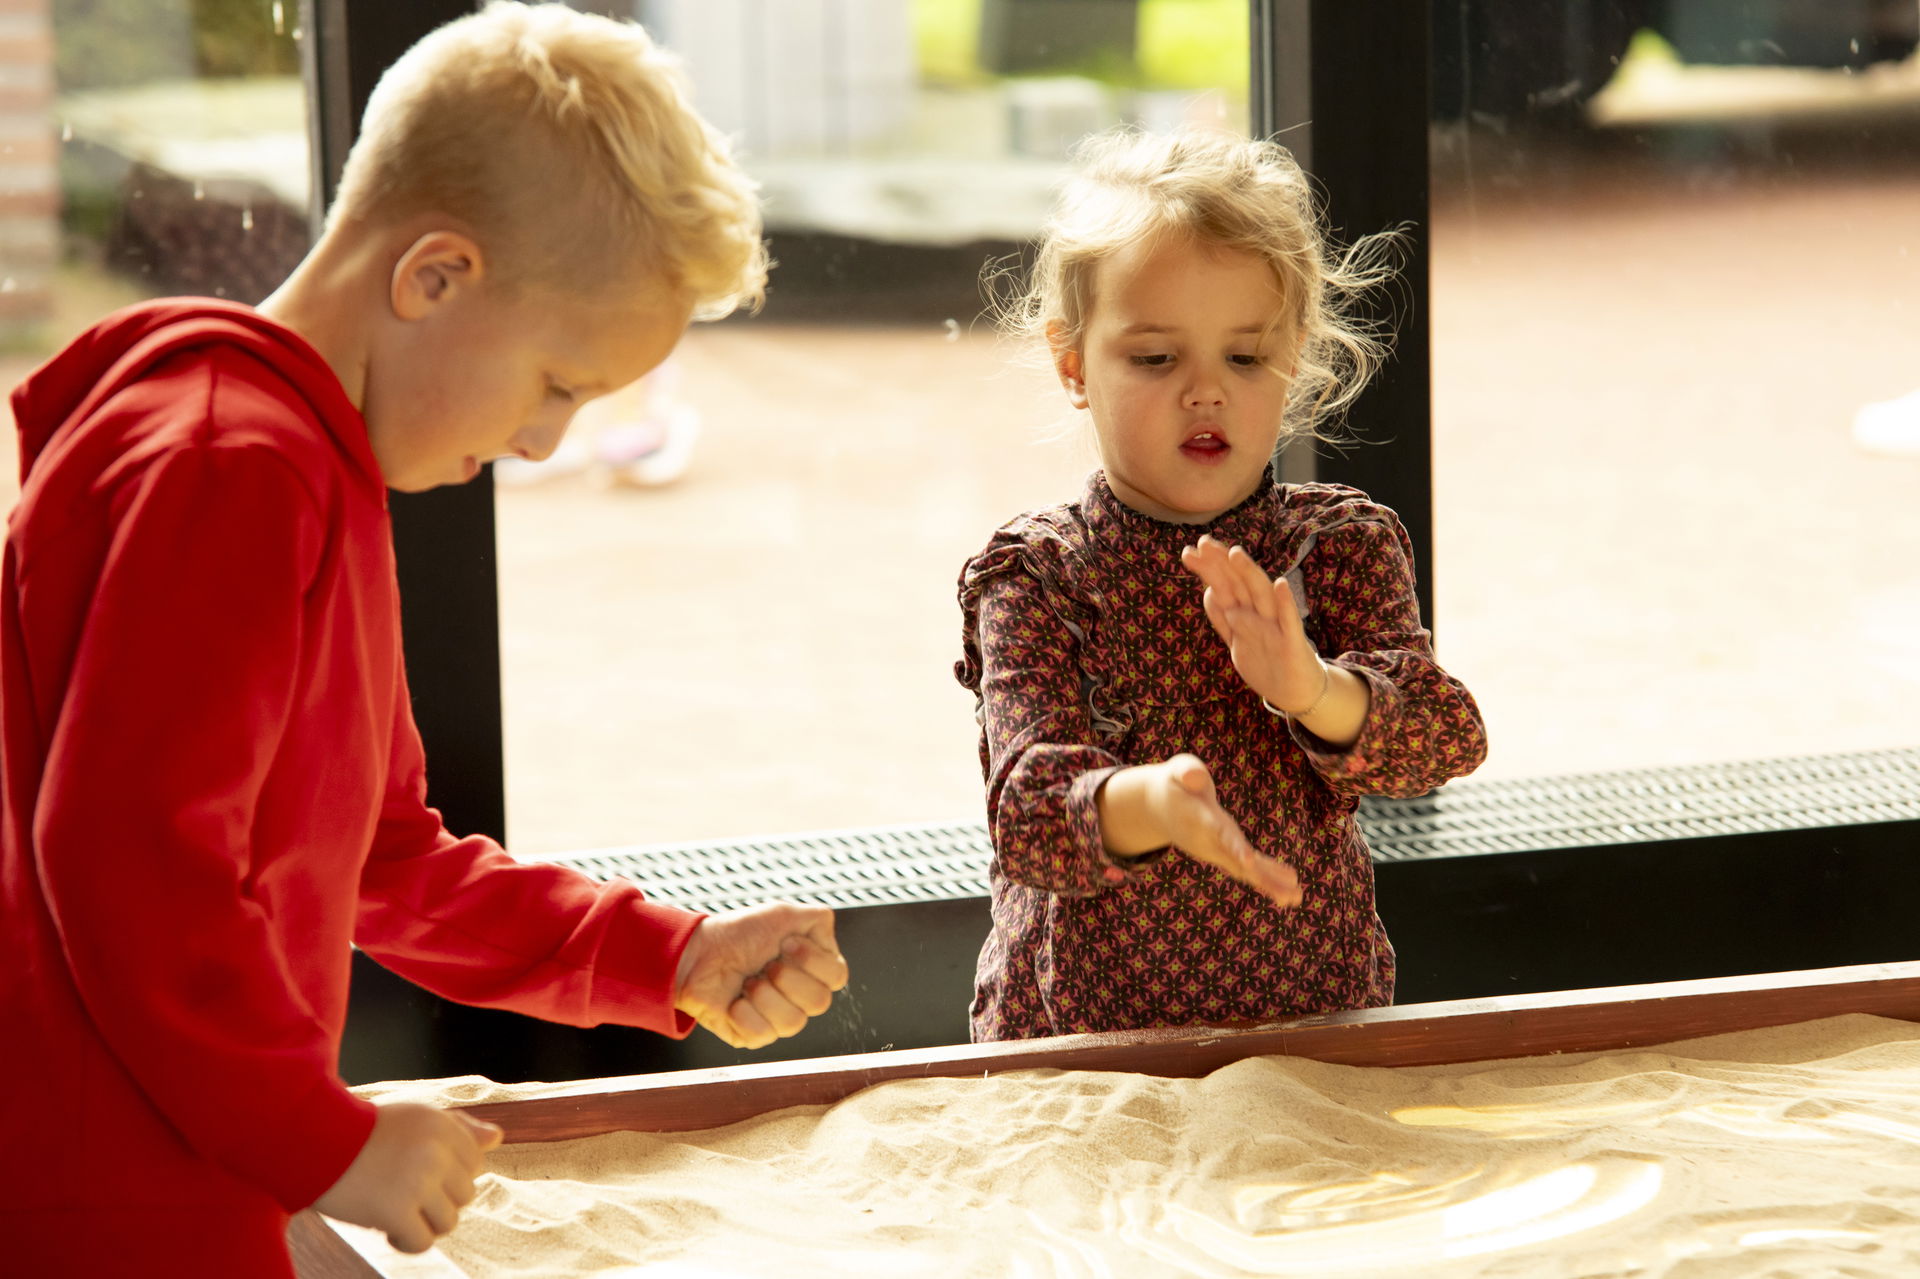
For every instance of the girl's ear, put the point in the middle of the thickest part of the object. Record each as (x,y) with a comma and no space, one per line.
(1067,364)
(435,269)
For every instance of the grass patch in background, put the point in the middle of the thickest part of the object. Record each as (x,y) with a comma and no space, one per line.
(1182,44)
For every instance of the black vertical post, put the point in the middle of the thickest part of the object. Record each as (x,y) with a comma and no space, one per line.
(444,539)
(1344,84)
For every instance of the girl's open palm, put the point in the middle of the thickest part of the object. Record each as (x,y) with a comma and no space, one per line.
(1257,619)
(1190,812)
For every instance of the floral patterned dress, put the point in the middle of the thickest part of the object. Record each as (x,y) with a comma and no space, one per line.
(1088,650)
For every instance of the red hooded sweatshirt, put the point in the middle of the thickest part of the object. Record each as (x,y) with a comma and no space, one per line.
(213,785)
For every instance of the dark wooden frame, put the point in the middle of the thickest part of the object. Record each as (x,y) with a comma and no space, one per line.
(1415,1035)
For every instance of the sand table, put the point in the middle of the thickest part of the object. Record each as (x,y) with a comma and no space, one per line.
(1788,1152)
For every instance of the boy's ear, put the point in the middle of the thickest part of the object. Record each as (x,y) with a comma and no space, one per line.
(1068,364)
(436,268)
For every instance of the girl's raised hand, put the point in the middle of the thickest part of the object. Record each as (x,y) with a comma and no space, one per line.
(1196,824)
(1255,616)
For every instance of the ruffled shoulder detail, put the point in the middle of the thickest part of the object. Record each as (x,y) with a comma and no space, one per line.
(1310,511)
(1049,546)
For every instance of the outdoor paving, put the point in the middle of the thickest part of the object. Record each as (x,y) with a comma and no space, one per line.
(1656,541)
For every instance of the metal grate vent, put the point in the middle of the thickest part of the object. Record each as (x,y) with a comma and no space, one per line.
(1631,807)
(941,862)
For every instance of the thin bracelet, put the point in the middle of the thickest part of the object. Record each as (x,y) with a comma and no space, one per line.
(1326,686)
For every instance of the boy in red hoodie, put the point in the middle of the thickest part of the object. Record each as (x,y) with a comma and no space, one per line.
(213,783)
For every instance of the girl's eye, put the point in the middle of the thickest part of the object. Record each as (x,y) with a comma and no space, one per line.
(1152,361)
(1245,361)
(557,392)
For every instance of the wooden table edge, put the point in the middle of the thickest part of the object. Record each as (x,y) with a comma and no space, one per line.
(1612,1018)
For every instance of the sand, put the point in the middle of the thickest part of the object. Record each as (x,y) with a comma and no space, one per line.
(1785,1152)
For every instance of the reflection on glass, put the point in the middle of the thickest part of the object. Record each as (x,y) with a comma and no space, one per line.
(161,151)
(728,603)
(1677,435)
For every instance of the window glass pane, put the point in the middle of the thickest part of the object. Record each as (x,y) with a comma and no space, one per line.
(1676,260)
(728,606)
(144,150)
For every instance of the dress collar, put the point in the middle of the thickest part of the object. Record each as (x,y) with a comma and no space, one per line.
(1251,525)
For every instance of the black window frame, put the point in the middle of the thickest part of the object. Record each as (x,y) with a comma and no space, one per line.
(443,539)
(1363,137)
(1346,84)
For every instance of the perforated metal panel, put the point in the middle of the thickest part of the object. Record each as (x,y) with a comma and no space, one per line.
(939,862)
(1632,807)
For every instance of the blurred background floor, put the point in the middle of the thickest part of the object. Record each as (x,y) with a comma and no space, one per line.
(1656,539)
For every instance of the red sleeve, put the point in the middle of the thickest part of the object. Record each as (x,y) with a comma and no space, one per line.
(181,686)
(466,921)
(1422,726)
(1044,771)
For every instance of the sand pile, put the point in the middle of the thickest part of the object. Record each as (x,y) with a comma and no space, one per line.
(1782,1152)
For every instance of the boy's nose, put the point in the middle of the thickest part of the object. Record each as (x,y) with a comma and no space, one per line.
(538,445)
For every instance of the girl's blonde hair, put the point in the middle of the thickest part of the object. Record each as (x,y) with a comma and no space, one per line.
(1218,191)
(567,144)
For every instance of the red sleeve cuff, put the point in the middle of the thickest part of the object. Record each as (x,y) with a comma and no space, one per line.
(312,1148)
(633,975)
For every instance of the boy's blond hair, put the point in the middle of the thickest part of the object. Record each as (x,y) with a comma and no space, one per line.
(567,145)
(1219,191)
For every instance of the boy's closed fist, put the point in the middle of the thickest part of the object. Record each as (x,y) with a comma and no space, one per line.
(756,975)
(414,1175)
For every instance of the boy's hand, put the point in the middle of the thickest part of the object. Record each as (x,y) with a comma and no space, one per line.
(1257,619)
(753,976)
(414,1175)
(1198,826)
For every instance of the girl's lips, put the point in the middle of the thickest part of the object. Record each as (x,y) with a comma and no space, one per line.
(1204,446)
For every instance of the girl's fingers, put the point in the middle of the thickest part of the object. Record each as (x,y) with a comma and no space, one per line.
(1252,581)
(1268,876)
(1277,883)
(1216,615)
(1208,560)
(1191,774)
(1286,612)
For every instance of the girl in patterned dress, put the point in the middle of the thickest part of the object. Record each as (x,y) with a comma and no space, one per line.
(1188,676)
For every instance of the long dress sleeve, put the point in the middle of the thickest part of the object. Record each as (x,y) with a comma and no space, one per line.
(1043,766)
(1422,726)
(179,692)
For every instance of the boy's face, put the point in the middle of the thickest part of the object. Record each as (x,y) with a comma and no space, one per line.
(467,375)
(1185,368)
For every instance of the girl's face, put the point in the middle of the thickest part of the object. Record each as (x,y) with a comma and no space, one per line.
(1184,364)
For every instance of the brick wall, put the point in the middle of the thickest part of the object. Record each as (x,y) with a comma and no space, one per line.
(29,167)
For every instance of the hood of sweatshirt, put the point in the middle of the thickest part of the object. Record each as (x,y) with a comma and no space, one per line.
(127,344)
